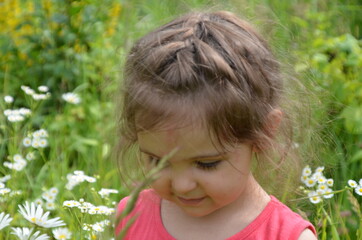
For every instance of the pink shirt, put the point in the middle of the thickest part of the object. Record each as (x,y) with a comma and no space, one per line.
(275,222)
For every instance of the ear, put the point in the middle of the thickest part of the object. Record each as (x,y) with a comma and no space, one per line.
(273,121)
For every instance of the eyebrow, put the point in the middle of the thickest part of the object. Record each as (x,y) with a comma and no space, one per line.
(218,156)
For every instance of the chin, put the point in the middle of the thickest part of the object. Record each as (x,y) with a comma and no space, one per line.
(197,214)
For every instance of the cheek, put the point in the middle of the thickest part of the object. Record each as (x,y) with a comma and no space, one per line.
(226,184)
(162,186)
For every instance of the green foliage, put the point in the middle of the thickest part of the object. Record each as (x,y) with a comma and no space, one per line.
(331,65)
(54,43)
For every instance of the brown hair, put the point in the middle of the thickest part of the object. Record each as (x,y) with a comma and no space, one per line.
(212,67)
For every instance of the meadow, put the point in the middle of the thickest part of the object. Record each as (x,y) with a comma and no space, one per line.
(60,70)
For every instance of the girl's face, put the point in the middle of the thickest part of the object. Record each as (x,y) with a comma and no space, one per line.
(198,178)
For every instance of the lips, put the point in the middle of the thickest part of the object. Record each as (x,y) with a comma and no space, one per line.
(190,201)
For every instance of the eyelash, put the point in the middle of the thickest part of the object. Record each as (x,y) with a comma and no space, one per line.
(208,166)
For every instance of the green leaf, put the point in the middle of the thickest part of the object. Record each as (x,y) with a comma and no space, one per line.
(356,157)
(352,119)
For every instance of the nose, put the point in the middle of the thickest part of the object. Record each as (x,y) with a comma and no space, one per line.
(182,182)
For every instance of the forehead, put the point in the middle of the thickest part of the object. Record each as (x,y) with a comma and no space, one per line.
(189,140)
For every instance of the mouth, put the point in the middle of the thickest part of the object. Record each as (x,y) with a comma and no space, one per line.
(191,201)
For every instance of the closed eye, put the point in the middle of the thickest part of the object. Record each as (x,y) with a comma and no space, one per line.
(207,165)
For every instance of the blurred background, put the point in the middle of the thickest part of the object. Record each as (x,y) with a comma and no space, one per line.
(79,46)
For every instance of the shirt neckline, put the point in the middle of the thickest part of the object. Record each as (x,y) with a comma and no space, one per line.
(251,227)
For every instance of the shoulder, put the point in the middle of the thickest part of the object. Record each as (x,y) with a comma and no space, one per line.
(143,211)
(147,196)
(290,223)
(307,234)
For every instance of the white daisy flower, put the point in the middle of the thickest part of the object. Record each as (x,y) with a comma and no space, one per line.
(2,185)
(18,165)
(352,183)
(92,211)
(320,169)
(97,227)
(43,142)
(90,179)
(27,234)
(27,142)
(85,206)
(105,223)
(78,172)
(71,203)
(27,90)
(17,157)
(330,182)
(23,87)
(25,111)
(310,182)
(77,178)
(53,191)
(48,197)
(4,191)
(43,88)
(322,187)
(321,180)
(360,182)
(72,98)
(328,193)
(50,205)
(34,214)
(87,227)
(320,192)
(5,178)
(98,210)
(303,178)
(38,97)
(307,171)
(317,175)
(358,190)
(4,220)
(104,192)
(8,112)
(15,193)
(41,133)
(62,233)
(38,202)
(314,197)
(15,118)
(8,99)
(35,143)
(36,134)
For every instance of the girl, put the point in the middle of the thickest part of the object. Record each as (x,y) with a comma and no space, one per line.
(207,85)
